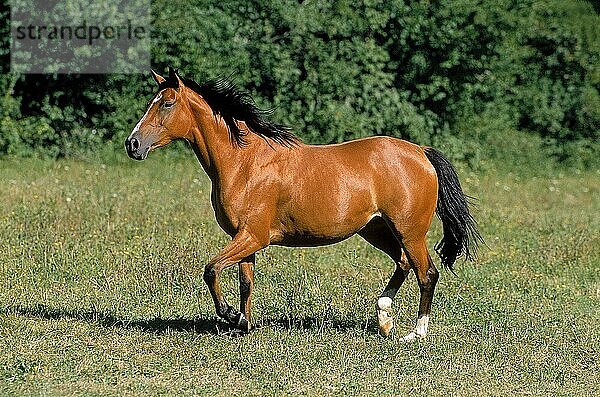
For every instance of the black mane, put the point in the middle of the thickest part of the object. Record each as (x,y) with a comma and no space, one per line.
(229,102)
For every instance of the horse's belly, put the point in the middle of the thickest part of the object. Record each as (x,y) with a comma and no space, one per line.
(307,240)
(317,229)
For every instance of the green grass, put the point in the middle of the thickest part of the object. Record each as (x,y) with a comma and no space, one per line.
(101,294)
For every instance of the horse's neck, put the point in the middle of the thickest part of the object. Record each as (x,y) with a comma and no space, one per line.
(222,159)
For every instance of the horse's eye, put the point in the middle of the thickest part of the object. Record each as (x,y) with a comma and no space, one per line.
(168,104)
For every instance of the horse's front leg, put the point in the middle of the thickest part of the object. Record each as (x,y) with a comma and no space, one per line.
(242,246)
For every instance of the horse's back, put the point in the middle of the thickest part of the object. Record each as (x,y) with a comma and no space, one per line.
(334,190)
(379,158)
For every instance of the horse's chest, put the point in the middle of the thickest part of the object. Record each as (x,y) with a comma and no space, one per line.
(229,210)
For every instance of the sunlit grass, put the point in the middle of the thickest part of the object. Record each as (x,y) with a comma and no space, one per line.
(101,294)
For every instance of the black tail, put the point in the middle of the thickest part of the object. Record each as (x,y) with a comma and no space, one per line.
(460,228)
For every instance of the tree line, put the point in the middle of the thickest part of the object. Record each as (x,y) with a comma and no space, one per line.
(461,74)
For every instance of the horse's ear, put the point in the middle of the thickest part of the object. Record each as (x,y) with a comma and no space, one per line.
(174,78)
(157,77)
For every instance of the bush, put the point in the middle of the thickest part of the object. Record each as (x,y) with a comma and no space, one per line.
(435,72)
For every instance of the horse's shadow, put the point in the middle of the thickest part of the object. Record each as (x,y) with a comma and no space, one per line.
(157,325)
(162,326)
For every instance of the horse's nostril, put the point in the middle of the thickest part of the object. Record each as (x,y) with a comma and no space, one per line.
(135,144)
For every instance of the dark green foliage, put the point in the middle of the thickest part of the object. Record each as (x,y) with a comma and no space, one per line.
(557,81)
(453,74)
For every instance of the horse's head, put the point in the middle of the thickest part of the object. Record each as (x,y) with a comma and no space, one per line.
(167,118)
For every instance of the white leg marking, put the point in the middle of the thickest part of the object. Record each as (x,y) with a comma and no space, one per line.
(420,330)
(422,324)
(386,323)
(384,303)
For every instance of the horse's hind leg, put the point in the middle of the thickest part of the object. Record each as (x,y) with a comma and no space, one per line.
(384,303)
(378,234)
(427,276)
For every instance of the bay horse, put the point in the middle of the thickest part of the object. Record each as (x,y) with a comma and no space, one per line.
(270,188)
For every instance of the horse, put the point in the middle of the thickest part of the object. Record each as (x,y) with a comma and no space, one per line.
(270,188)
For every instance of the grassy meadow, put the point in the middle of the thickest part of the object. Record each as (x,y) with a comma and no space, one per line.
(101,293)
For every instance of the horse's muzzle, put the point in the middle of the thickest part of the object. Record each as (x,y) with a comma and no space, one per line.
(134,149)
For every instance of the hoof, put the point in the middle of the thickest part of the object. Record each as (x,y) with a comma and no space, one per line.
(412,336)
(386,323)
(243,324)
(238,324)
(233,333)
(385,326)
